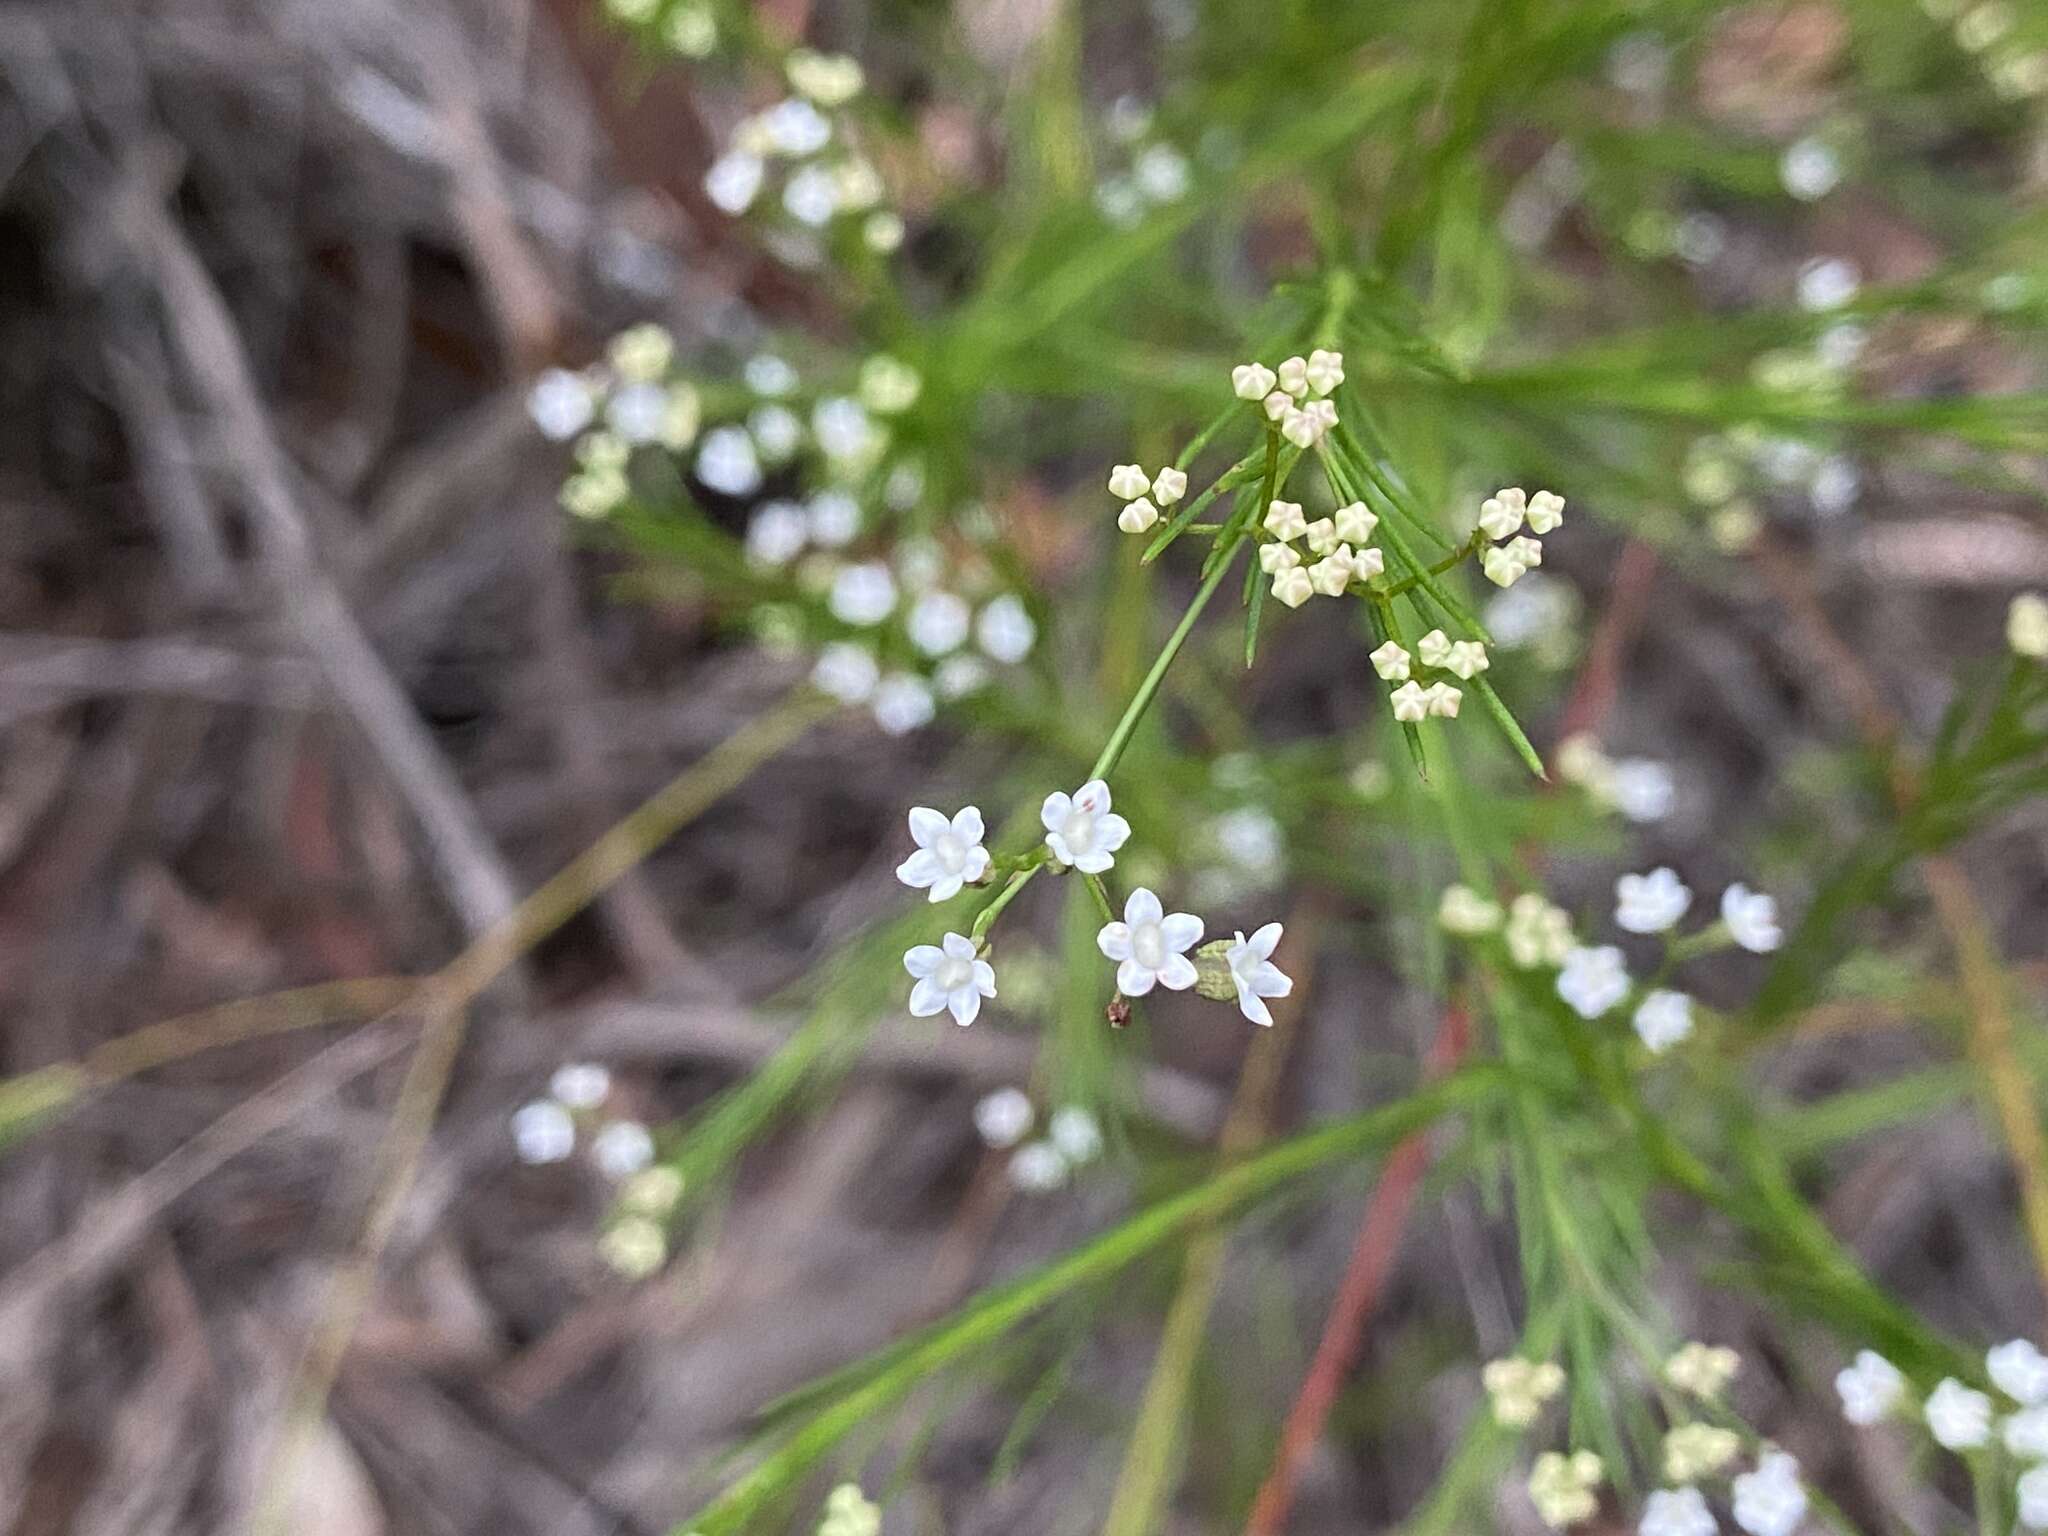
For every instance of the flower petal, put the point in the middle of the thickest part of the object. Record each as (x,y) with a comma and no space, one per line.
(967,824)
(1112,832)
(984,978)
(923,959)
(1181,930)
(977,863)
(1265,940)
(920,869)
(1141,906)
(1178,973)
(1092,797)
(927,998)
(959,946)
(1095,861)
(1249,1004)
(1054,813)
(1133,980)
(1270,981)
(926,825)
(966,1005)
(945,888)
(1058,844)
(1114,941)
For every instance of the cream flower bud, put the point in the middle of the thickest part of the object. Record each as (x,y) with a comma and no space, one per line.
(1325,370)
(1169,485)
(1284,520)
(1546,511)
(1702,1369)
(1391,662)
(1693,1451)
(1434,648)
(1500,515)
(1137,516)
(1321,535)
(2026,626)
(1465,912)
(1330,576)
(1129,482)
(1301,429)
(1411,703)
(1501,567)
(1467,659)
(1275,558)
(1443,700)
(1251,381)
(1293,376)
(1293,586)
(1278,404)
(1367,563)
(1526,550)
(1355,523)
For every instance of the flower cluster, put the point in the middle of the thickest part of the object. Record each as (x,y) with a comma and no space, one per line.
(1072,1140)
(1337,543)
(1640,788)
(1295,396)
(1565,1488)
(544,1131)
(849,1512)
(1144,495)
(1158,173)
(1463,659)
(1501,518)
(1518,1389)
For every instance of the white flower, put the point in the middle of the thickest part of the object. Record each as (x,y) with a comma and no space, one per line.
(829,79)
(1752,919)
(1305,428)
(1641,788)
(691,32)
(883,232)
(849,1512)
(1275,558)
(938,622)
(846,671)
(1251,381)
(1355,523)
(1434,648)
(1080,828)
(2026,1433)
(1284,520)
(1704,1370)
(1150,945)
(580,1085)
(1958,1417)
(1537,932)
(1546,512)
(1321,536)
(903,703)
(1293,376)
(796,128)
(1467,659)
(542,1132)
(1169,485)
(863,594)
(949,853)
(1500,515)
(1561,1487)
(1162,173)
(1325,371)
(1137,516)
(1003,1118)
(727,462)
(1809,169)
(642,353)
(1391,662)
(1769,1501)
(950,979)
(1650,903)
(958,676)
(857,184)
(1129,481)
(734,181)
(1076,1133)
(2019,1370)
(776,533)
(811,196)
(1663,1019)
(1518,1388)
(1278,404)
(1005,629)
(1500,566)
(1038,1168)
(652,1191)
(1676,1512)
(1254,975)
(1465,912)
(1870,1388)
(2026,626)
(888,385)
(1367,563)
(1694,1451)
(1593,979)
(1411,703)
(560,404)
(1442,699)
(681,414)
(1525,550)
(2033,1490)
(635,1247)
(834,518)
(622,1149)
(1293,586)
(1331,576)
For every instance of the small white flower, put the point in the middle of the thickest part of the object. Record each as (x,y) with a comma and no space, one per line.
(2026,1434)
(1038,1168)
(1500,567)
(863,594)
(1003,1118)
(1704,1370)
(811,196)
(845,430)
(1501,514)
(652,1191)
(1301,429)
(1355,523)
(1321,535)
(635,1247)
(1278,404)
(1129,482)
(1958,1417)
(1546,512)
(1293,586)
(636,412)
(734,181)
(1293,376)
(1770,1501)
(691,32)
(1251,381)
(1161,173)
(1076,1133)
(1641,788)
(1465,912)
(1367,563)
(1752,919)
(958,676)
(1325,371)
(1005,630)
(561,404)
(1443,700)
(1137,516)
(1284,520)
(1150,945)
(776,533)
(938,623)
(849,1512)
(1169,485)
(542,1132)
(1468,659)
(1676,1512)
(888,385)
(642,353)
(1694,1451)
(1275,558)
(949,853)
(1562,1487)
(1525,550)
(2026,626)
(727,462)
(902,703)
(1663,1019)
(1254,975)
(1411,703)
(949,979)
(796,128)
(1331,576)
(829,79)
(1434,648)
(1870,1388)
(834,518)
(580,1085)
(2019,1370)
(846,671)
(1537,933)
(622,1149)
(1391,662)
(1593,979)
(1809,169)
(2033,1491)
(1650,903)
(883,232)
(1081,830)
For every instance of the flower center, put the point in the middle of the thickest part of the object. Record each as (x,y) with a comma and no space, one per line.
(952,853)
(1148,946)
(953,974)
(1079,830)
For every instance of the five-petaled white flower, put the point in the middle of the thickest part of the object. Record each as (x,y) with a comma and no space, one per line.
(1411,703)
(949,853)
(1770,1500)
(1278,404)
(1367,563)
(1355,523)
(1501,566)
(1663,1019)
(1434,648)
(950,978)
(1284,520)
(1870,1388)
(1325,370)
(1442,699)
(1275,558)
(1252,381)
(1467,659)
(1294,586)
(1676,1512)
(1003,1118)
(1293,376)
(1650,903)
(1137,516)
(1752,919)
(1593,979)
(1254,974)
(2019,1370)
(1391,662)
(1501,514)
(1546,512)
(1331,575)
(1080,828)
(1129,481)
(1169,485)
(1321,535)
(2026,1434)
(1150,946)
(1958,1417)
